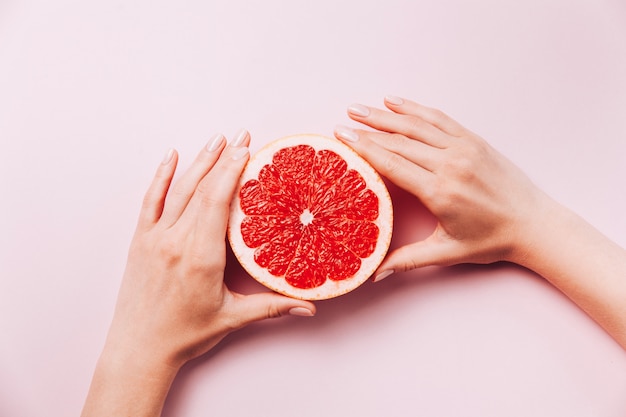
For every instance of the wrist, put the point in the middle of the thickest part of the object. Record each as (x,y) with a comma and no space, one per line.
(540,223)
(128,382)
(578,260)
(145,365)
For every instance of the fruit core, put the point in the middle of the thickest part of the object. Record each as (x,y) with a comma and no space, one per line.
(306,217)
(309,217)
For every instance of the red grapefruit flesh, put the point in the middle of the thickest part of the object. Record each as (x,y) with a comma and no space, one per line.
(311,219)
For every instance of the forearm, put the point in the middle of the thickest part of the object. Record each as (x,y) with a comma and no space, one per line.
(487,209)
(580,261)
(127,384)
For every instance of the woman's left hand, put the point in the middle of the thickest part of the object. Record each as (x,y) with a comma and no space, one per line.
(173,305)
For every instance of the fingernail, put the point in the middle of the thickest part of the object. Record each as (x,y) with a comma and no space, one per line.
(359,110)
(239,138)
(240,153)
(168,156)
(345,133)
(301,311)
(215,142)
(383,275)
(394,100)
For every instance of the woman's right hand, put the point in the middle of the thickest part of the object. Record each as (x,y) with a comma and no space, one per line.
(487,209)
(482,201)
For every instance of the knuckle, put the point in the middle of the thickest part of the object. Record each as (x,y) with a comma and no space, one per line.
(437,116)
(432,192)
(273,312)
(205,262)
(180,189)
(442,195)
(416,124)
(208,196)
(392,163)
(209,202)
(407,260)
(204,188)
(445,202)
(462,165)
(169,250)
(396,141)
(465,168)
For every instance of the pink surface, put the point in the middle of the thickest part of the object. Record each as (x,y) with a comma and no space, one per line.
(93,93)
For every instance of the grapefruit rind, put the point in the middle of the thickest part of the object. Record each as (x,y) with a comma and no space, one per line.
(330,288)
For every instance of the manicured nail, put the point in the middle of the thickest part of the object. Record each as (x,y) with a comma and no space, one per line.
(359,110)
(383,275)
(241,153)
(345,133)
(239,138)
(215,142)
(301,311)
(394,100)
(168,156)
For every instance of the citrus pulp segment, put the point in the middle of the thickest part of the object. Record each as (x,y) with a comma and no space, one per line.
(311,218)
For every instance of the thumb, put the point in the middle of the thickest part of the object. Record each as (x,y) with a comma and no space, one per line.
(267,305)
(434,250)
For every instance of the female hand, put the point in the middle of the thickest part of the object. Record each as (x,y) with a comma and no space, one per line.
(480,199)
(173,305)
(487,209)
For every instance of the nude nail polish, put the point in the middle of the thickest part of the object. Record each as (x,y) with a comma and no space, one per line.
(396,101)
(239,138)
(168,156)
(346,134)
(215,142)
(383,275)
(359,110)
(301,311)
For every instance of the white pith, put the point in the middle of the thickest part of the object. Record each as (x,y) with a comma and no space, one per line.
(330,288)
(306,217)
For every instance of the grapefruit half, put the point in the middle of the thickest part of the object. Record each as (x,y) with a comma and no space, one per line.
(311,219)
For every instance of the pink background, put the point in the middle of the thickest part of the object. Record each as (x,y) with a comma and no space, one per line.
(93,93)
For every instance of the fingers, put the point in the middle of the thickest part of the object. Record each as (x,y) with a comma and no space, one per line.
(435,117)
(406,174)
(154,199)
(247,309)
(184,188)
(207,212)
(415,151)
(434,250)
(408,125)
